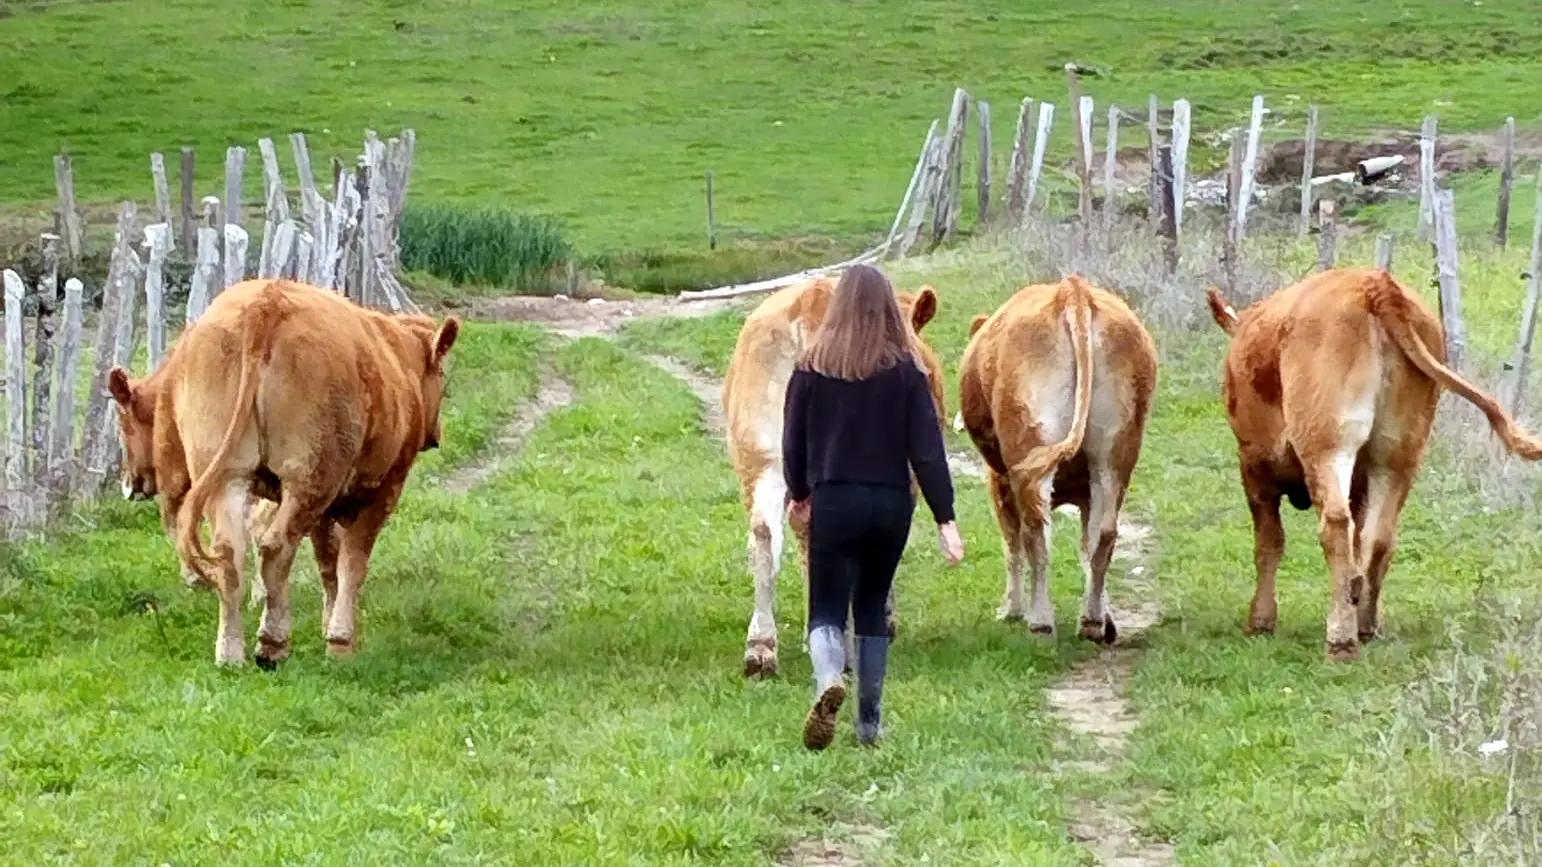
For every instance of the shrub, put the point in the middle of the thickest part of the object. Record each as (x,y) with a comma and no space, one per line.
(486,247)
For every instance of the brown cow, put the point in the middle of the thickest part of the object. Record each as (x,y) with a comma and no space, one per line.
(1055,389)
(295,393)
(1331,386)
(768,348)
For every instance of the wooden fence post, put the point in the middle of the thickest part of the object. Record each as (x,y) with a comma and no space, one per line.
(1081,127)
(1167,199)
(910,190)
(1516,392)
(1040,143)
(1182,121)
(1506,179)
(276,209)
(1448,272)
(189,197)
(158,246)
(1384,251)
(927,190)
(1249,164)
(236,241)
(61,450)
(106,331)
(206,274)
(1229,242)
(945,216)
(1154,208)
(162,189)
(43,367)
(1427,178)
(983,182)
(711,216)
(1308,165)
(365,181)
(18,502)
(304,257)
(1327,249)
(69,216)
(1017,169)
(1110,164)
(122,356)
(235,171)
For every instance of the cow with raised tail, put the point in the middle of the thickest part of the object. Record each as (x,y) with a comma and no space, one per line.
(1331,386)
(1055,389)
(768,348)
(295,394)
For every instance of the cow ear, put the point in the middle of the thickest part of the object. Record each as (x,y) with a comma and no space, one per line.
(445,338)
(979,320)
(118,384)
(925,308)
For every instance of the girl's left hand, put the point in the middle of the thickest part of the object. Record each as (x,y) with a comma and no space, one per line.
(799,511)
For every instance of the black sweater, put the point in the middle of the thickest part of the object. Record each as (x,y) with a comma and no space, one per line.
(870,431)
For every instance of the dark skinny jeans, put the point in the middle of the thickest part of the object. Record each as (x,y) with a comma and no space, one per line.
(856,536)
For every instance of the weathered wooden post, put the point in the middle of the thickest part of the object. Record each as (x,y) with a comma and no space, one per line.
(189,197)
(910,191)
(928,189)
(1384,251)
(1448,272)
(1308,165)
(1110,164)
(1249,164)
(17,498)
(1153,139)
(1515,393)
(92,447)
(1506,179)
(122,356)
(945,215)
(1327,221)
(1167,199)
(43,369)
(1040,142)
(157,246)
(206,274)
(61,450)
(1230,237)
(1081,125)
(276,209)
(236,242)
(1182,124)
(983,181)
(1017,170)
(69,216)
(1427,178)
(162,188)
(365,181)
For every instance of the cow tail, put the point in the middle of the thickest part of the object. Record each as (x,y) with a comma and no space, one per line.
(1392,309)
(1221,310)
(1042,461)
(256,328)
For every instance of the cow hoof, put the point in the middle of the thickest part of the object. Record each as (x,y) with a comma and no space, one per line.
(1102,631)
(760,659)
(1368,637)
(1042,629)
(270,654)
(340,648)
(1260,626)
(1345,651)
(1010,615)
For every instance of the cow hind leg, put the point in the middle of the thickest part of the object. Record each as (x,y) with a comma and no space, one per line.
(326,541)
(1100,533)
(1268,548)
(1329,477)
(277,546)
(358,543)
(768,498)
(1033,499)
(1004,504)
(1386,492)
(230,553)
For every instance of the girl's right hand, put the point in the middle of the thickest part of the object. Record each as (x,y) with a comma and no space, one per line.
(951,543)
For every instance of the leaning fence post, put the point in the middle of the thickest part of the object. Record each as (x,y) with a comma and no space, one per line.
(276,208)
(189,197)
(1327,250)
(1110,163)
(945,215)
(1427,178)
(69,217)
(1448,273)
(1506,179)
(206,274)
(42,378)
(106,331)
(1384,251)
(1082,126)
(1154,209)
(1168,201)
(1249,165)
(1040,142)
(1308,164)
(61,451)
(158,245)
(910,191)
(983,184)
(1519,367)
(235,254)
(17,499)
(1230,240)
(122,356)
(1182,119)
(1017,169)
(162,188)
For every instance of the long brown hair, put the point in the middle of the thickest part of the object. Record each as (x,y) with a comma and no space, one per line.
(863,332)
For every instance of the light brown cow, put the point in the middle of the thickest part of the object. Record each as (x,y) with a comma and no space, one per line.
(296,394)
(767,351)
(1055,389)
(1331,387)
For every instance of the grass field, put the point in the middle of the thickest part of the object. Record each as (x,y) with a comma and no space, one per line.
(809,113)
(550,671)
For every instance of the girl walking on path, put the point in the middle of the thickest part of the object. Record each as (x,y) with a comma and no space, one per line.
(858,418)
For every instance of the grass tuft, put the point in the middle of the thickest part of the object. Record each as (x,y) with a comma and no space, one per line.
(491,247)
